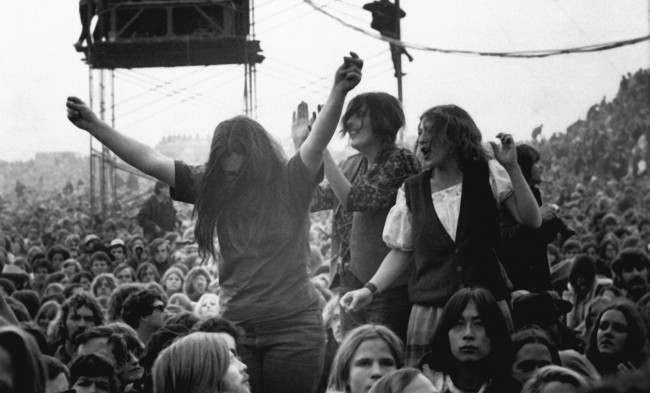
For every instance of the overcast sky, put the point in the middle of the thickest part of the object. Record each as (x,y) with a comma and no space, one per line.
(39,68)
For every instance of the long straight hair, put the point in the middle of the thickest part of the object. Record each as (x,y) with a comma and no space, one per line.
(498,362)
(29,369)
(195,363)
(247,205)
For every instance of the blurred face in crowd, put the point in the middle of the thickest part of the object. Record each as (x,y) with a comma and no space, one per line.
(528,359)
(372,360)
(57,260)
(635,279)
(173,283)
(58,384)
(200,283)
(536,172)
(209,305)
(335,324)
(118,254)
(161,253)
(468,339)
(157,316)
(104,288)
(45,318)
(98,267)
(70,270)
(138,247)
(612,332)
(92,385)
(610,251)
(149,275)
(78,321)
(40,274)
(236,379)
(231,165)
(125,275)
(129,370)
(592,252)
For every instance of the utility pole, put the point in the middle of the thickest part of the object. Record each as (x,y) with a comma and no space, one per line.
(398,65)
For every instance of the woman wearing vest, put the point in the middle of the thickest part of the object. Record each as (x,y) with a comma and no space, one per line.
(446,221)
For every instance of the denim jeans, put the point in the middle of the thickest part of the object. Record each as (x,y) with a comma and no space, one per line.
(285,355)
(391,308)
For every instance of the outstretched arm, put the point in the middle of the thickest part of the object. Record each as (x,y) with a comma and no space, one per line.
(347,77)
(130,150)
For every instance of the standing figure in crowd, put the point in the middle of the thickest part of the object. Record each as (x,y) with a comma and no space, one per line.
(630,270)
(200,362)
(367,353)
(617,343)
(523,249)
(158,215)
(361,193)
(256,203)
(445,220)
(471,350)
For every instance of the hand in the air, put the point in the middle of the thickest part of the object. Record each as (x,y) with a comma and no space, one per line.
(300,125)
(348,75)
(80,114)
(506,154)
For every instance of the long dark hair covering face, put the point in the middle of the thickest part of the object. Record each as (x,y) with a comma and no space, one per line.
(635,343)
(497,364)
(385,113)
(454,125)
(248,205)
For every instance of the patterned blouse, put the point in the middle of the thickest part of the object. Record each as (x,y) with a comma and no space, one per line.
(374,186)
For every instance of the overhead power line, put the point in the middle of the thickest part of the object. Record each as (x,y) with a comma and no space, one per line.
(509,54)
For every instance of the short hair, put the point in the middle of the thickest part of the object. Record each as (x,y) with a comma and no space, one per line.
(76,279)
(155,243)
(197,362)
(124,266)
(219,325)
(634,350)
(499,360)
(119,295)
(138,305)
(385,113)
(340,371)
(93,366)
(116,342)
(395,381)
(25,358)
(58,249)
(553,373)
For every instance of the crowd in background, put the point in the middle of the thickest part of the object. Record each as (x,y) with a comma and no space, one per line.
(127,303)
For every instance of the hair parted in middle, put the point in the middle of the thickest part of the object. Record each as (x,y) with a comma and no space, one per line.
(340,371)
(500,359)
(197,362)
(385,113)
(456,127)
(245,206)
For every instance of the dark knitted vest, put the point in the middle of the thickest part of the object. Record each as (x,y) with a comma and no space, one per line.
(443,266)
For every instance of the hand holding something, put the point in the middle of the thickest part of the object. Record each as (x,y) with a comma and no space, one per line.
(348,75)
(356,300)
(506,154)
(80,114)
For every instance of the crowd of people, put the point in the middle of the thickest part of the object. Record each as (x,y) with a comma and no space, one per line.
(453,266)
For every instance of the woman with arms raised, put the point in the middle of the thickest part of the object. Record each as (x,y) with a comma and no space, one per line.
(445,220)
(256,204)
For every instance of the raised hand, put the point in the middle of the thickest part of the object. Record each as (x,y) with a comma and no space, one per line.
(80,114)
(348,75)
(506,154)
(300,125)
